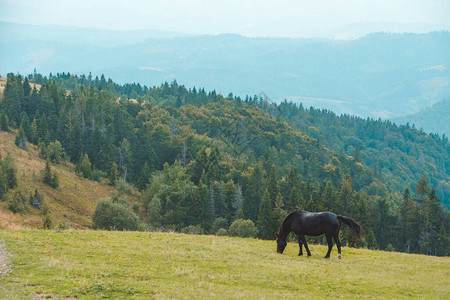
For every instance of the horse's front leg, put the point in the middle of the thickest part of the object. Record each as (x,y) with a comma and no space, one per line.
(306,245)
(300,246)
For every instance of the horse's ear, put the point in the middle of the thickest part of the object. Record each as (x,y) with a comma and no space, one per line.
(277,235)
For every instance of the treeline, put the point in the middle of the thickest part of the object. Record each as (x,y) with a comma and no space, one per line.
(401,154)
(203,161)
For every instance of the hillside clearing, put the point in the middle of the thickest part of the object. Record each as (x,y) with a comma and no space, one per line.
(91,264)
(73,202)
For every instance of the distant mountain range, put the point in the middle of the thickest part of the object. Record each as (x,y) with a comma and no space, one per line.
(380,75)
(434,119)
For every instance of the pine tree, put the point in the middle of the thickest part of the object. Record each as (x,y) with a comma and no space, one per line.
(272,184)
(49,177)
(4,122)
(43,150)
(154,211)
(10,170)
(278,212)
(265,219)
(237,204)
(113,175)
(346,194)
(327,202)
(206,215)
(12,99)
(21,140)
(25,125)
(144,177)
(3,182)
(197,166)
(357,155)
(422,190)
(85,167)
(295,200)
(253,193)
(43,130)
(34,132)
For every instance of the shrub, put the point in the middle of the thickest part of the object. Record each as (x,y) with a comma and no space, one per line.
(98,174)
(243,228)
(47,220)
(219,223)
(17,203)
(114,216)
(55,152)
(222,232)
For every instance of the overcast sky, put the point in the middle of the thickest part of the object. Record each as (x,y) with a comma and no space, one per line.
(296,18)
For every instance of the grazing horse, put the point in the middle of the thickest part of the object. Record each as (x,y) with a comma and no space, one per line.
(306,223)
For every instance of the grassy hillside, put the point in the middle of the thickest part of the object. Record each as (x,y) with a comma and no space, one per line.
(90,264)
(73,202)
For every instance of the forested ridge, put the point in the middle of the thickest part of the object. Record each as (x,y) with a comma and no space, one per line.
(204,161)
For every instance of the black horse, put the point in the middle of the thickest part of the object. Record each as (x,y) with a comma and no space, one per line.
(306,223)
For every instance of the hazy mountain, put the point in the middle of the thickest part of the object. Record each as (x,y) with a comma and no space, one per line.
(16,33)
(432,119)
(380,75)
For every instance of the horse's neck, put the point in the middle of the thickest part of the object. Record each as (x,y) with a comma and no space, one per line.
(287,227)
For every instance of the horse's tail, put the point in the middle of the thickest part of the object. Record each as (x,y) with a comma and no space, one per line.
(357,229)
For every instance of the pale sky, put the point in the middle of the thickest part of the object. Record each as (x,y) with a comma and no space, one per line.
(291,18)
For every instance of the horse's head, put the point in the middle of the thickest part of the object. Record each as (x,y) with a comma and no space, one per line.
(281,244)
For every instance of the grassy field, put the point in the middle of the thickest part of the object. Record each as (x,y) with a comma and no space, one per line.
(91,264)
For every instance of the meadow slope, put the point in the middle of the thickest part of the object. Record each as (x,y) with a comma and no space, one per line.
(73,202)
(92,264)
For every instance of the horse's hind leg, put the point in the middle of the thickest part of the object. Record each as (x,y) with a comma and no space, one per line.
(330,245)
(338,244)
(300,245)
(306,245)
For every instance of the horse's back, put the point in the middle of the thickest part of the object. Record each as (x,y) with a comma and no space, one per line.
(315,223)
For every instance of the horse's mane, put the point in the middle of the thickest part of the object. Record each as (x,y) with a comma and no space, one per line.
(290,215)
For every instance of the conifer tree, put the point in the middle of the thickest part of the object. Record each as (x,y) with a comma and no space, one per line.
(113,175)
(197,166)
(327,202)
(34,132)
(25,125)
(4,122)
(85,167)
(10,170)
(144,177)
(346,194)
(266,226)
(272,184)
(253,193)
(21,140)
(43,130)
(206,214)
(47,172)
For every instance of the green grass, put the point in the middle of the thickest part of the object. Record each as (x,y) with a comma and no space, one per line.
(91,264)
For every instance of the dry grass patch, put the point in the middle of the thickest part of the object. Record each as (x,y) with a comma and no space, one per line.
(74,201)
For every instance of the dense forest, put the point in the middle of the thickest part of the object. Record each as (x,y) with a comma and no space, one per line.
(204,161)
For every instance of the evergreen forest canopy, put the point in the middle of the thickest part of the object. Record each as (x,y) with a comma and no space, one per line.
(203,161)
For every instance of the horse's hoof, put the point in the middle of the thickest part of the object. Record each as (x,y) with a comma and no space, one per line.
(300,254)
(339,256)
(327,257)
